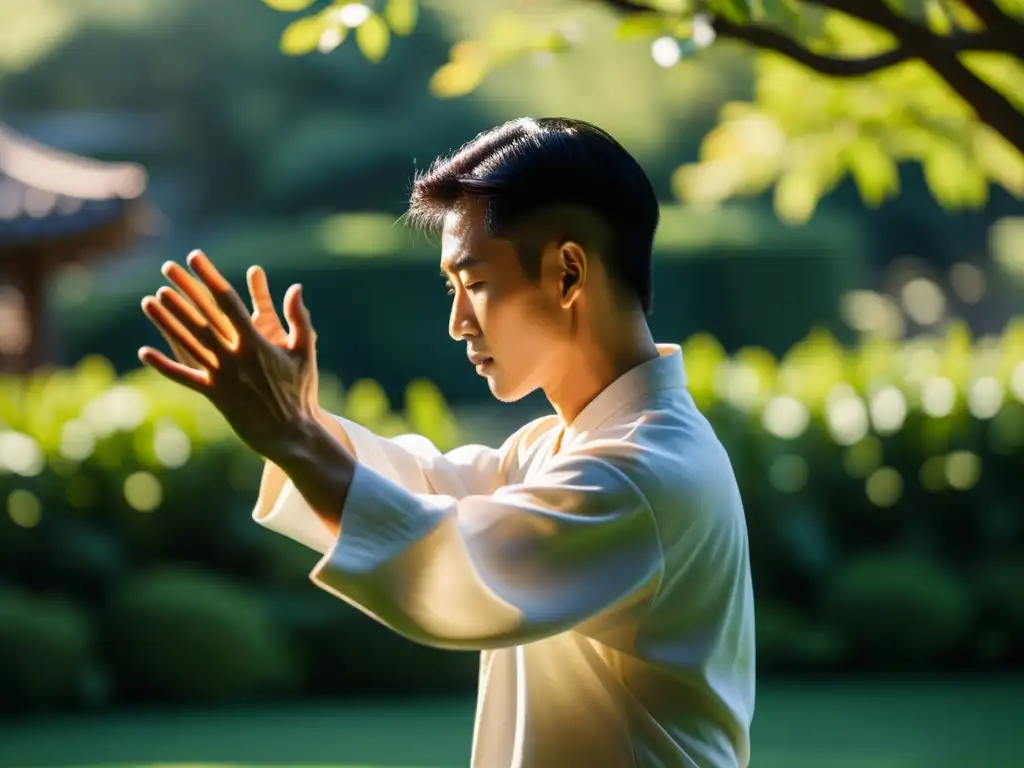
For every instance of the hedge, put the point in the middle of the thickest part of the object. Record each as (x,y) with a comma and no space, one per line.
(881,484)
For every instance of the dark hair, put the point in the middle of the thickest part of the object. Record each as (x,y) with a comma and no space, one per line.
(527,166)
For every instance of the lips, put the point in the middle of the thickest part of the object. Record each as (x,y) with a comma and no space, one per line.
(477,358)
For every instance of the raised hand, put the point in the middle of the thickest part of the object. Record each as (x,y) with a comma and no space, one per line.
(264,315)
(262,378)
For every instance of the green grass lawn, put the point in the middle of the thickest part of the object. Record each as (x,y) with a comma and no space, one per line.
(821,725)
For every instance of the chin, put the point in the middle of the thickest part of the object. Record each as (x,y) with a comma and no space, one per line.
(508,392)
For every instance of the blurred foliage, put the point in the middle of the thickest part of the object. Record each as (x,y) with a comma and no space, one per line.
(726,272)
(123,498)
(186,636)
(881,484)
(89,461)
(842,89)
(45,648)
(926,611)
(302,163)
(233,133)
(998,587)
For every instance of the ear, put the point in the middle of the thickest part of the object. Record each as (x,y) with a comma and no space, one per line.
(573,265)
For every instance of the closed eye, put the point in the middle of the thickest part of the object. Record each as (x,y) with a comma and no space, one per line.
(471,287)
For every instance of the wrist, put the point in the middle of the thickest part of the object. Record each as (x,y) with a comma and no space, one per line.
(298,444)
(318,465)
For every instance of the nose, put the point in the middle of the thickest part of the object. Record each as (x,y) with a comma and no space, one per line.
(462,323)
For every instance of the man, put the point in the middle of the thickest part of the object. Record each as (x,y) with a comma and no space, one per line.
(598,559)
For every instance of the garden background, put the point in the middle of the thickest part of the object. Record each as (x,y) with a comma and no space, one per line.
(841,256)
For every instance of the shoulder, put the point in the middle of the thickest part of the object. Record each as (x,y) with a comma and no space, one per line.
(671,453)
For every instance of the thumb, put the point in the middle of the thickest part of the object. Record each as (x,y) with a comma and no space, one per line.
(301,335)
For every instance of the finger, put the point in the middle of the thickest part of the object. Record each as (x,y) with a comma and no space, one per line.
(301,335)
(259,290)
(200,297)
(171,298)
(197,381)
(227,298)
(180,353)
(193,323)
(172,327)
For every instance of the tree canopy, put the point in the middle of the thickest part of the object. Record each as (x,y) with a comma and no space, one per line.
(842,87)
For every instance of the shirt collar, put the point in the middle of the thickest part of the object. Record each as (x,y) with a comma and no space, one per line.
(633,388)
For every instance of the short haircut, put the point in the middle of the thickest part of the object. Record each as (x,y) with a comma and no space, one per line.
(527,167)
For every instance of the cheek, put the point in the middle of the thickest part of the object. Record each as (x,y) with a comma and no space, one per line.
(520,320)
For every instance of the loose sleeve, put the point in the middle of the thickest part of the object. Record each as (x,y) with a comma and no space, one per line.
(410,461)
(486,571)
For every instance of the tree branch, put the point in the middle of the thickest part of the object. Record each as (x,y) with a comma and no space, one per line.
(991,106)
(767,38)
(1006,29)
(940,52)
(770,40)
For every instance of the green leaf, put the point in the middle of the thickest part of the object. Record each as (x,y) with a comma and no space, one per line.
(1003,162)
(289,5)
(874,171)
(640,25)
(937,17)
(802,185)
(1013,8)
(953,180)
(737,11)
(373,37)
(458,78)
(964,17)
(782,12)
(796,195)
(303,35)
(909,9)
(402,16)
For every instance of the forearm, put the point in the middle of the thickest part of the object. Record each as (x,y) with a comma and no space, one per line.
(321,468)
(482,572)
(336,430)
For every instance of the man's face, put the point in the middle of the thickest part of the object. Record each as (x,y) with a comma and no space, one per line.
(514,327)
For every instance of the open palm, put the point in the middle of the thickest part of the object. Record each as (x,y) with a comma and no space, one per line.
(264,315)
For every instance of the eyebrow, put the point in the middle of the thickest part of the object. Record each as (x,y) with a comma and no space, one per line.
(459,263)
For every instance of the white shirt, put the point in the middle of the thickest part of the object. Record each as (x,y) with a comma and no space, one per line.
(607,584)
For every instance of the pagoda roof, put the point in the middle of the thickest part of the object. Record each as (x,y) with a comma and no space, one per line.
(47,194)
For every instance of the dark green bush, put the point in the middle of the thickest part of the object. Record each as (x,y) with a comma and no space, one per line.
(899,610)
(999,587)
(788,640)
(44,652)
(190,636)
(344,651)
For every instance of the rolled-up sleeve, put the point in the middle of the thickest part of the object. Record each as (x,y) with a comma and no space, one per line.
(410,461)
(491,570)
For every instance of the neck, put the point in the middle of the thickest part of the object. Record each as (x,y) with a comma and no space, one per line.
(595,360)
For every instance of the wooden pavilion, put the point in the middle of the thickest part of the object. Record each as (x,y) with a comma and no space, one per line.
(56,209)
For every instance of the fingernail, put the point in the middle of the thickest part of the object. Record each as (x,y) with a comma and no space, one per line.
(167,265)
